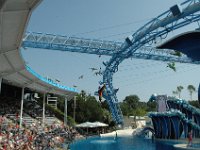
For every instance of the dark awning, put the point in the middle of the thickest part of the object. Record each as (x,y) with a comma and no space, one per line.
(187,43)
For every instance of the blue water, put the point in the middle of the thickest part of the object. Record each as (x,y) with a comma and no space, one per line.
(122,143)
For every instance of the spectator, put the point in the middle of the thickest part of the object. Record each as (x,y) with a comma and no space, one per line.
(189,139)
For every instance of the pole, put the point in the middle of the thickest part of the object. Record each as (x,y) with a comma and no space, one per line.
(21,109)
(74,113)
(65,116)
(43,110)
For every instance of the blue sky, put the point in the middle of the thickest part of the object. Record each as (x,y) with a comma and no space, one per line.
(108,20)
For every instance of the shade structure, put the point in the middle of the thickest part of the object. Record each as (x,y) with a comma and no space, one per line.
(15,15)
(86,125)
(187,43)
(100,124)
(92,125)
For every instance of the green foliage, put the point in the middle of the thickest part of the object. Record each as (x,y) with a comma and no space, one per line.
(172,66)
(59,114)
(131,105)
(96,112)
(151,106)
(132,101)
(179,89)
(89,109)
(139,112)
(194,103)
(70,121)
(125,108)
(107,116)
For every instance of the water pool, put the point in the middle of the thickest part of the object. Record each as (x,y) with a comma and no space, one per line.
(121,143)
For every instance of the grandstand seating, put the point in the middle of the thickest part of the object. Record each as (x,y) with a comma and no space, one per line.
(32,135)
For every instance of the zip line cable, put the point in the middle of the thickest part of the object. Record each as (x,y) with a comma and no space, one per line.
(111,27)
(140,83)
(154,74)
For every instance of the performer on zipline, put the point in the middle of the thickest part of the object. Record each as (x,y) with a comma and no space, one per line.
(100,91)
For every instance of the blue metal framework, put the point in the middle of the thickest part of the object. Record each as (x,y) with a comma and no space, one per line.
(158,27)
(133,47)
(71,44)
(97,47)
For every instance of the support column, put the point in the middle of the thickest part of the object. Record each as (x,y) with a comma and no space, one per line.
(43,112)
(65,116)
(21,109)
(74,112)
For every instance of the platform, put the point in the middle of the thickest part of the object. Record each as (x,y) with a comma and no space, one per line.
(184,147)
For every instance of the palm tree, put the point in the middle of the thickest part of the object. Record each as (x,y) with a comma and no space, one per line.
(175,93)
(179,89)
(191,89)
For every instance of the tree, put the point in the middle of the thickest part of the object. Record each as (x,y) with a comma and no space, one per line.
(139,112)
(194,103)
(175,93)
(131,105)
(83,94)
(191,89)
(179,89)
(107,118)
(94,110)
(125,108)
(151,106)
(132,101)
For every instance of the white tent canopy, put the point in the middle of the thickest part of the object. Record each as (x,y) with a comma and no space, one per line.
(100,124)
(86,125)
(91,125)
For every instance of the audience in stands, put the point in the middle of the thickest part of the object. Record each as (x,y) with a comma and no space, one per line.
(33,137)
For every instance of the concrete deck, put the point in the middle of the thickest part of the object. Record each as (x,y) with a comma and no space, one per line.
(184,147)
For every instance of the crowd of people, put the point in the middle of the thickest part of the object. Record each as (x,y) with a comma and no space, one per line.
(35,136)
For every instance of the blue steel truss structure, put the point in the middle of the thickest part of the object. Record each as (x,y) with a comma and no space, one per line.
(160,26)
(133,47)
(71,44)
(97,47)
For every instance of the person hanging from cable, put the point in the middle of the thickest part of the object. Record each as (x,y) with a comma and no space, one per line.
(100,91)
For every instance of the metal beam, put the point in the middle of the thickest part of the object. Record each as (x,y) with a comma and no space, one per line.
(39,40)
(71,44)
